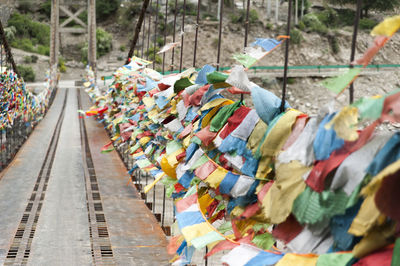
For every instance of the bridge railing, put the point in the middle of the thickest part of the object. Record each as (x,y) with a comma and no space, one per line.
(20,109)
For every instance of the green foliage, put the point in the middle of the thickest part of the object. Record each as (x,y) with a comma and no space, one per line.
(45,8)
(329,17)
(240,17)
(150,54)
(346,17)
(160,41)
(104,42)
(122,48)
(61,65)
(209,16)
(29,35)
(313,24)
(105,8)
(120,58)
(215,42)
(27,59)
(27,73)
(25,6)
(367,24)
(34,59)
(334,43)
(381,5)
(10,33)
(306,3)
(44,50)
(295,36)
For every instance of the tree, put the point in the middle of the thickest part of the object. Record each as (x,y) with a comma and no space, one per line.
(368,5)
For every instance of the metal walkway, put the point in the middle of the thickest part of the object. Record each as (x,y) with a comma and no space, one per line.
(64,203)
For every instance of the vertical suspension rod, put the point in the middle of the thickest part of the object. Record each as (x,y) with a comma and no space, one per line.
(149,31)
(197,32)
(221,12)
(173,35)
(137,30)
(246,24)
(286,57)
(182,35)
(155,36)
(353,45)
(165,35)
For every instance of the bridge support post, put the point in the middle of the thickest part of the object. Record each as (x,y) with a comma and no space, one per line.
(92,36)
(54,35)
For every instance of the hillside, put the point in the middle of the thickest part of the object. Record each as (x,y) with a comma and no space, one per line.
(327,45)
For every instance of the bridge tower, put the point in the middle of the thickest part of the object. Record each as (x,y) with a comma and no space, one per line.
(72,9)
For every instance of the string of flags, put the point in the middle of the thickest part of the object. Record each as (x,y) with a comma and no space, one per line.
(270,187)
(16,101)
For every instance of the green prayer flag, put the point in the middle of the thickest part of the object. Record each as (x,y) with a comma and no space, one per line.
(312,207)
(339,83)
(334,259)
(222,116)
(216,77)
(370,108)
(245,59)
(396,253)
(182,84)
(264,241)
(203,159)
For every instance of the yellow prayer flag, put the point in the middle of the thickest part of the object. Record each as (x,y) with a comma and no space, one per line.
(388,27)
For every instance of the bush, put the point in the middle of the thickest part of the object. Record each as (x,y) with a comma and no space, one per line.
(367,24)
(333,41)
(346,17)
(27,59)
(122,48)
(241,17)
(34,59)
(61,65)
(329,17)
(27,73)
(25,5)
(312,22)
(209,16)
(45,8)
(29,35)
(44,50)
(10,33)
(150,54)
(295,36)
(191,8)
(104,42)
(105,8)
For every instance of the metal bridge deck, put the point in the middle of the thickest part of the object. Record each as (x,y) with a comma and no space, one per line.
(64,203)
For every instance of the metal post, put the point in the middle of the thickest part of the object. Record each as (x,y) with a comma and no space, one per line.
(155,36)
(137,30)
(296,15)
(302,8)
(286,56)
(92,37)
(182,34)
(54,39)
(173,35)
(353,44)
(197,32)
(246,24)
(221,10)
(276,11)
(148,32)
(144,29)
(9,56)
(269,8)
(165,34)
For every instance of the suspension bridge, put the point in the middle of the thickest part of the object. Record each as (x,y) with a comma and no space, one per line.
(63,202)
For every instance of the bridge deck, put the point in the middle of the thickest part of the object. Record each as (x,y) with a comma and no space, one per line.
(64,203)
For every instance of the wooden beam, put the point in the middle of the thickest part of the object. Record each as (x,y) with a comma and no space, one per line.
(72,16)
(73,30)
